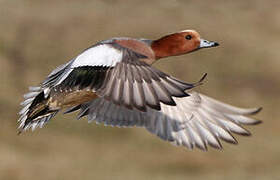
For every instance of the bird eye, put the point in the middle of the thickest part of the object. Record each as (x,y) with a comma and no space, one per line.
(188,37)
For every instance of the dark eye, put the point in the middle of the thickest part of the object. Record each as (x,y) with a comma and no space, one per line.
(188,37)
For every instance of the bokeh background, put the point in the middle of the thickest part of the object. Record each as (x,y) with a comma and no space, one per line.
(37,35)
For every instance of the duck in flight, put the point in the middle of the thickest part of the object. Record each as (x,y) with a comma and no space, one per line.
(113,82)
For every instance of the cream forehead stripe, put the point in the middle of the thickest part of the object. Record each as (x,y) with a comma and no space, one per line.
(188,30)
(102,55)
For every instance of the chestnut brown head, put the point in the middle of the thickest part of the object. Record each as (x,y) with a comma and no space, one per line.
(180,43)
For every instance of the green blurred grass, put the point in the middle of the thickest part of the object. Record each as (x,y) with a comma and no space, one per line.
(36,36)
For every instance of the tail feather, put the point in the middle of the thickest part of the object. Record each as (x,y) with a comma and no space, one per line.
(35,112)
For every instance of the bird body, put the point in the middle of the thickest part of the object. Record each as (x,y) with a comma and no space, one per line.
(113,83)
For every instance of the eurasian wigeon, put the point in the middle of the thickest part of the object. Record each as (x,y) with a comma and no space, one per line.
(113,82)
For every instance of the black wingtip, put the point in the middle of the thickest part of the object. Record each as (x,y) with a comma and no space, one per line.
(19,132)
(257,110)
(82,113)
(75,108)
(257,122)
(154,106)
(141,108)
(200,82)
(171,102)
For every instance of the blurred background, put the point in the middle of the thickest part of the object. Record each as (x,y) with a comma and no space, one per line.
(36,36)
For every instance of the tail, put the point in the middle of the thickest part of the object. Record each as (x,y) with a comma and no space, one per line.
(35,112)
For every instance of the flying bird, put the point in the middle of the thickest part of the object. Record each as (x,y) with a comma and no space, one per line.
(113,82)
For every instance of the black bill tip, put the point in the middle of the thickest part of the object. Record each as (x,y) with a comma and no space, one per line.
(207,44)
(216,44)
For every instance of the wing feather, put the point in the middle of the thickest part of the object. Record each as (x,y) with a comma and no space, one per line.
(193,122)
(142,86)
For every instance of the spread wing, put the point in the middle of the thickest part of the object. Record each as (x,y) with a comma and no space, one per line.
(138,85)
(118,75)
(196,121)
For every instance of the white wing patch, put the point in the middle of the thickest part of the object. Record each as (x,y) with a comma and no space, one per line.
(101,55)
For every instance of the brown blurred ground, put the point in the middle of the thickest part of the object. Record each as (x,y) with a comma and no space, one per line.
(36,36)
